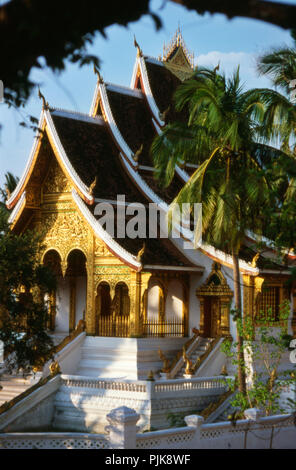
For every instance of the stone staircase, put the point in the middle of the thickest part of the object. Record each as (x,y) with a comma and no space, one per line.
(13,385)
(202,346)
(222,413)
(124,358)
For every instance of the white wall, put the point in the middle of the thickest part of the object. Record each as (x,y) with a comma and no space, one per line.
(80,297)
(62,305)
(174,301)
(153,301)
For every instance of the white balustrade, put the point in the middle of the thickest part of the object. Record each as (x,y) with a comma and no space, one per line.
(277,432)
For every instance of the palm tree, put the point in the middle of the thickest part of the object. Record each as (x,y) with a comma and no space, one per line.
(280,125)
(11,182)
(221,137)
(280,65)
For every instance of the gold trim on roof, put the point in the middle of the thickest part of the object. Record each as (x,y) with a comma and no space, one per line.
(177,41)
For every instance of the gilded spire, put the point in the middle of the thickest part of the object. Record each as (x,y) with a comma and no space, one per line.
(45,104)
(92,187)
(138,153)
(141,252)
(139,50)
(97,72)
(177,41)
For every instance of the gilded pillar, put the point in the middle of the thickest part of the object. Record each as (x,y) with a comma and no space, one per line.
(224,329)
(90,299)
(258,282)
(248,291)
(136,324)
(52,309)
(185,312)
(145,278)
(202,316)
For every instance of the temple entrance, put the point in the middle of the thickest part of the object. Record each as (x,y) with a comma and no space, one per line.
(212,317)
(76,281)
(165,311)
(113,314)
(68,302)
(215,300)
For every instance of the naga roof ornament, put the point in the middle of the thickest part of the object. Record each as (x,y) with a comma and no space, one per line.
(45,105)
(139,50)
(97,72)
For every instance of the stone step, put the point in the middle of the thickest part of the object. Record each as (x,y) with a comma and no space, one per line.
(202,347)
(16,380)
(13,385)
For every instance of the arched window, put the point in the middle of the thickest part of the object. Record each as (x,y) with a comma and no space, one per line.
(268,304)
(122,299)
(103,300)
(76,279)
(52,260)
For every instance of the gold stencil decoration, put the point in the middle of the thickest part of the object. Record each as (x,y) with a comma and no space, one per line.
(65,231)
(177,58)
(56,181)
(101,249)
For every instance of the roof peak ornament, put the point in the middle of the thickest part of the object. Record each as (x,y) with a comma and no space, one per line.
(217,67)
(138,153)
(97,72)
(176,42)
(92,187)
(45,105)
(163,115)
(139,50)
(141,253)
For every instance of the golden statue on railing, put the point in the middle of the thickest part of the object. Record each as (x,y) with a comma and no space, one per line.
(188,363)
(166,362)
(54,368)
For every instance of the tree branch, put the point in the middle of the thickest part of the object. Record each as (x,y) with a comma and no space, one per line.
(279,14)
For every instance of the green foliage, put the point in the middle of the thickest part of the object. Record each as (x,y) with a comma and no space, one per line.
(237,180)
(280,65)
(56,32)
(23,313)
(264,346)
(10,184)
(176,420)
(221,136)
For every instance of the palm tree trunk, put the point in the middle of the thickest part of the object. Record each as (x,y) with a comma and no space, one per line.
(240,341)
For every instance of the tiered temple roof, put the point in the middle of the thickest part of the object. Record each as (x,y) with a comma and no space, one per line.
(106,153)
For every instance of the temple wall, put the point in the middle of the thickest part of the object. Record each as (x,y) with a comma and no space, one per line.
(62,305)
(194,306)
(80,298)
(197,280)
(153,302)
(174,301)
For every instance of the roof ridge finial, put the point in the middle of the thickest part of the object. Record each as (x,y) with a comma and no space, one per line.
(45,105)
(97,72)
(139,50)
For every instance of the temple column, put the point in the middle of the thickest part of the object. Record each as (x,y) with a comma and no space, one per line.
(52,310)
(145,278)
(258,281)
(224,318)
(202,316)
(185,313)
(90,299)
(136,325)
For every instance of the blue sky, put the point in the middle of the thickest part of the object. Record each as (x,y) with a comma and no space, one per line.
(212,38)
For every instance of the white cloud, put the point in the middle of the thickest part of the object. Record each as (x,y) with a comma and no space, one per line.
(229,62)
